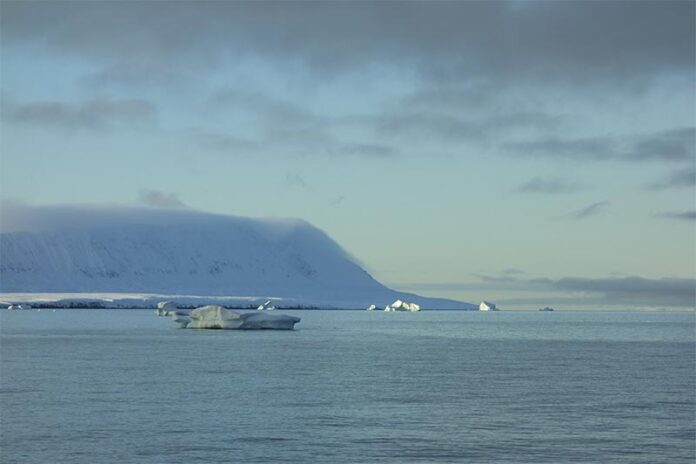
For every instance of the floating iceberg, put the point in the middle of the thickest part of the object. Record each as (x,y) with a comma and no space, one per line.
(372,308)
(19,306)
(217,317)
(165,307)
(487,306)
(267,306)
(399,305)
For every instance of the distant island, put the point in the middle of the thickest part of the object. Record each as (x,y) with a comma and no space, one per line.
(134,257)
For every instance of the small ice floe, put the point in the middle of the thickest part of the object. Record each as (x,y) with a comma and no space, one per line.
(487,306)
(165,307)
(399,305)
(217,317)
(16,307)
(267,306)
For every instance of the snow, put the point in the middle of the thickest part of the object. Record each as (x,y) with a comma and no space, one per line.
(187,257)
(19,306)
(217,317)
(487,306)
(399,305)
(267,306)
(164,307)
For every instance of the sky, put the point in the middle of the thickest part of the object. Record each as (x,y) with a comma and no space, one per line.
(529,153)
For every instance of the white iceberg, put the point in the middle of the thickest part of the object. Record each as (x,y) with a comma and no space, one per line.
(487,306)
(399,305)
(19,306)
(372,308)
(267,306)
(217,317)
(165,307)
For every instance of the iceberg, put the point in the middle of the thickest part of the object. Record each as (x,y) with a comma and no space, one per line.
(487,306)
(399,305)
(267,306)
(217,317)
(19,306)
(258,321)
(372,308)
(165,307)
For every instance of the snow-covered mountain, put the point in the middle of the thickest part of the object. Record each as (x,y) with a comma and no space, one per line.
(141,250)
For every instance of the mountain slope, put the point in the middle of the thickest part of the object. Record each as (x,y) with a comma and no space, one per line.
(187,253)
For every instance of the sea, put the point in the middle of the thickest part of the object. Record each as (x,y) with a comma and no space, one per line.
(126,386)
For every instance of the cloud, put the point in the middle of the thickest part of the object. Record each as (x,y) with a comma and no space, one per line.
(550,186)
(571,41)
(367,149)
(160,199)
(671,145)
(588,148)
(678,179)
(590,210)
(224,143)
(293,179)
(689,216)
(626,291)
(91,114)
(337,201)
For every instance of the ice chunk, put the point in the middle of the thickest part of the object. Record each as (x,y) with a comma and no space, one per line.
(164,307)
(268,321)
(372,308)
(487,306)
(181,319)
(19,306)
(214,317)
(400,305)
(217,317)
(266,306)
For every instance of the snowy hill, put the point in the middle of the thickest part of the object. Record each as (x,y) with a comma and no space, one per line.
(152,251)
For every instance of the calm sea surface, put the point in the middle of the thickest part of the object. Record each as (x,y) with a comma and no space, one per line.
(124,386)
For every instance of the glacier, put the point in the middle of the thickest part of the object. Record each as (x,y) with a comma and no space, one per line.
(127,256)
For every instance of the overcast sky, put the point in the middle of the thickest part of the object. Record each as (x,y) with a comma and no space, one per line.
(529,153)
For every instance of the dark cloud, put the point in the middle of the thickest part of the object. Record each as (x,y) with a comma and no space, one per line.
(92,114)
(550,40)
(589,148)
(452,126)
(285,127)
(672,145)
(550,186)
(590,210)
(637,290)
(367,149)
(689,216)
(512,271)
(225,143)
(678,179)
(160,199)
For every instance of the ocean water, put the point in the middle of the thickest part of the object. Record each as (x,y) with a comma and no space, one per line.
(124,386)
